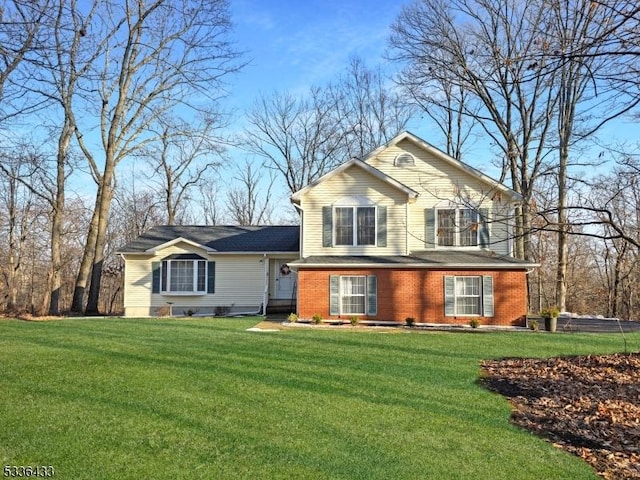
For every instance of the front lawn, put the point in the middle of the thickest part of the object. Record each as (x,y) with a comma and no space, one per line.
(204,398)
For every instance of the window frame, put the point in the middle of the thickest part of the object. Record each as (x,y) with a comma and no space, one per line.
(199,267)
(458,230)
(457,297)
(337,295)
(355,232)
(485,296)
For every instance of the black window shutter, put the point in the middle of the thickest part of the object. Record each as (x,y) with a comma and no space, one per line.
(449,296)
(485,233)
(382,226)
(334,295)
(211,277)
(327,226)
(155,277)
(430,228)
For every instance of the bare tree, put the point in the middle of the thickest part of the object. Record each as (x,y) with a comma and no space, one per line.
(182,157)
(485,56)
(445,101)
(156,57)
(295,137)
(369,112)
(250,202)
(20,25)
(591,91)
(208,201)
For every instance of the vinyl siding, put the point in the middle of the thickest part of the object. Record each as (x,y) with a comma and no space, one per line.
(239,284)
(436,182)
(354,182)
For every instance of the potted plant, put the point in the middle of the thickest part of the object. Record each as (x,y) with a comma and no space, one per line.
(550,316)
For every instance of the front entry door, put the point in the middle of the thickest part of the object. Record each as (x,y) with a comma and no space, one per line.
(285,280)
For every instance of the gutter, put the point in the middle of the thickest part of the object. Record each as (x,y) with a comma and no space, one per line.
(474,266)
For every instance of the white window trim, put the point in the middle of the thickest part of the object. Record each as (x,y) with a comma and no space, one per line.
(364,295)
(480,296)
(410,162)
(457,231)
(166,286)
(355,225)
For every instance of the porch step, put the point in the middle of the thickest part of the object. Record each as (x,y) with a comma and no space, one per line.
(281,306)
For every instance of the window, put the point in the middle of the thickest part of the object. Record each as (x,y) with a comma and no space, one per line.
(354,221)
(469,296)
(353,295)
(355,225)
(404,159)
(183,274)
(457,227)
(352,298)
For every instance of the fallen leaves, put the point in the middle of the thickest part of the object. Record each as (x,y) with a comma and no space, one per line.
(587,405)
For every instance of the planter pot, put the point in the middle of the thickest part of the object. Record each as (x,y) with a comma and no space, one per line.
(550,324)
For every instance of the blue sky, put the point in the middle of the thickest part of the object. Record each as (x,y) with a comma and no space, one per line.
(293,45)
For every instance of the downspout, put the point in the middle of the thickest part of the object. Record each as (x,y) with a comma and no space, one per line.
(406,228)
(265,293)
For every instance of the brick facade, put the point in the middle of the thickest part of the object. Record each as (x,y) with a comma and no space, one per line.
(417,293)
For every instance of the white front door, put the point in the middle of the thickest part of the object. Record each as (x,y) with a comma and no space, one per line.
(285,279)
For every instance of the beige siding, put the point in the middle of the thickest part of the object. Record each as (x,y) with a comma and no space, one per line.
(239,284)
(437,182)
(354,182)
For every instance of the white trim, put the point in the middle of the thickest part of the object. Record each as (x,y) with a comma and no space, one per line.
(479,296)
(194,280)
(175,241)
(457,232)
(354,224)
(411,194)
(433,266)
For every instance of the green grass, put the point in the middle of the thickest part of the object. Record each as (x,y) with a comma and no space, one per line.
(203,398)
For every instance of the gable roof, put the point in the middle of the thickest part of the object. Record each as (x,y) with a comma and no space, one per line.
(515,196)
(295,198)
(219,239)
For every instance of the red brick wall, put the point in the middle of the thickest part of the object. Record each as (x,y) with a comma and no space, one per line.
(416,293)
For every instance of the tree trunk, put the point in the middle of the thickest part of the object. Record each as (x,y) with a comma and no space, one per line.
(561,273)
(103,208)
(77,304)
(55,280)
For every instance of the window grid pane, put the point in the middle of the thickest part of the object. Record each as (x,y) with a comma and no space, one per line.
(344,226)
(468,295)
(468,228)
(366,226)
(181,276)
(353,295)
(446,228)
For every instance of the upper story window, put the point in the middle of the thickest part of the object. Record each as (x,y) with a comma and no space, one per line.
(457,227)
(404,160)
(354,221)
(355,225)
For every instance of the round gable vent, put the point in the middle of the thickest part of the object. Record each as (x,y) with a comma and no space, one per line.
(404,159)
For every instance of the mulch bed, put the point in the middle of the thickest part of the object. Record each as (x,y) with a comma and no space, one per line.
(587,405)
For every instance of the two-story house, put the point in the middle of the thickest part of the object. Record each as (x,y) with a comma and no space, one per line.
(407,231)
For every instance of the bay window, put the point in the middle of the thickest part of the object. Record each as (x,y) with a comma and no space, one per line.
(183,274)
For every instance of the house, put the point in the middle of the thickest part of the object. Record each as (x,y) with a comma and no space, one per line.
(406,231)
(205,270)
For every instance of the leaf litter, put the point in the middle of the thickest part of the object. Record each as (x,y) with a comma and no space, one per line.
(586,405)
